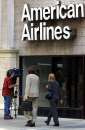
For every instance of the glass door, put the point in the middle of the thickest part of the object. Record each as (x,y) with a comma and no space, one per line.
(69,72)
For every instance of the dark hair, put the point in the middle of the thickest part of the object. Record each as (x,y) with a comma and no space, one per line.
(31,70)
(8,73)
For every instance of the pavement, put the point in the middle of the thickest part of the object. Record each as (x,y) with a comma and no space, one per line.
(20,121)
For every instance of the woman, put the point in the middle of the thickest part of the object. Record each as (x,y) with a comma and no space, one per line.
(54,96)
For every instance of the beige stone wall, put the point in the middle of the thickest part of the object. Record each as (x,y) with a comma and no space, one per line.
(0,21)
(63,47)
(8,59)
(7,24)
(8,53)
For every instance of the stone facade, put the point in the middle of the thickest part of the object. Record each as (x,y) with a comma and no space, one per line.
(8,53)
(11,30)
(74,46)
(63,47)
(8,59)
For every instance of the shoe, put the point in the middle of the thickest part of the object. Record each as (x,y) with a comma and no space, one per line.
(56,124)
(32,125)
(11,117)
(28,123)
(8,118)
(47,123)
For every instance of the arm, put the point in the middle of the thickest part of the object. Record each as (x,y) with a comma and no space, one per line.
(12,86)
(27,87)
(60,98)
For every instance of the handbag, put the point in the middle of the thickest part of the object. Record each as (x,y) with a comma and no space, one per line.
(49,95)
(26,105)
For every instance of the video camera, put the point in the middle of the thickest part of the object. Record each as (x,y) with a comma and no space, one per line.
(16,73)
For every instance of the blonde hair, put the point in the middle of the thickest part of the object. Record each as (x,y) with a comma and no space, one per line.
(51,77)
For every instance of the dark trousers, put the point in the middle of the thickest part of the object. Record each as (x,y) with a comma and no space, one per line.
(53,112)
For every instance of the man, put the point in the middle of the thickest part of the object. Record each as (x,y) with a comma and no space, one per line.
(32,93)
(6,93)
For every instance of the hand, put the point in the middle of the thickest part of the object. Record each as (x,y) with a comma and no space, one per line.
(46,86)
(61,101)
(25,98)
(12,75)
(16,85)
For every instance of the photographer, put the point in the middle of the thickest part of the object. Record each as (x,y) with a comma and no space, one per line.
(6,93)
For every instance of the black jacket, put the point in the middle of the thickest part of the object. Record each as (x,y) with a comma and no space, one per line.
(54,89)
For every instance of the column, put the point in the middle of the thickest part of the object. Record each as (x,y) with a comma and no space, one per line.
(10,30)
(8,53)
(8,60)
(0,22)
(7,28)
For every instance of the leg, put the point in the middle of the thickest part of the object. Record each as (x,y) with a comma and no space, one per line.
(49,117)
(7,104)
(54,112)
(32,120)
(35,108)
(28,115)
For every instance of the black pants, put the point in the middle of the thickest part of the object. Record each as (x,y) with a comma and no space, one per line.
(53,112)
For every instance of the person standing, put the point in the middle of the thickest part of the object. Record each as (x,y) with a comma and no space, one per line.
(6,93)
(32,93)
(53,97)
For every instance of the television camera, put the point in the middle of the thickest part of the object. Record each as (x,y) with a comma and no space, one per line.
(16,73)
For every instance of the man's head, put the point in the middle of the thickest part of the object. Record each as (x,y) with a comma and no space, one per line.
(8,73)
(31,70)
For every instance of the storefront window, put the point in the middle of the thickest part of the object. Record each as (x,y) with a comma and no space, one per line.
(69,73)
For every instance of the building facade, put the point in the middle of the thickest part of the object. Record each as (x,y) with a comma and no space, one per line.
(65,57)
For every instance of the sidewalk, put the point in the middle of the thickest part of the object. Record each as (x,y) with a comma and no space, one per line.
(18,124)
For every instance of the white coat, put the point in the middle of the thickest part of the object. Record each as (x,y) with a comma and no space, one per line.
(32,85)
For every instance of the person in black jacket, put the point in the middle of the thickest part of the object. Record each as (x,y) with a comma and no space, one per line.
(53,97)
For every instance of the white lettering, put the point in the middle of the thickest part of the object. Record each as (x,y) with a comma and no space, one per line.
(58,32)
(36,30)
(66,31)
(53,9)
(46,13)
(25,14)
(25,33)
(36,14)
(79,10)
(71,11)
(63,13)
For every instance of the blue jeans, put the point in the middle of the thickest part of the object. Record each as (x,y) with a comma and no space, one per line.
(7,104)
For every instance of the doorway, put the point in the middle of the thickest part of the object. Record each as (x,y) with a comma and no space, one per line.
(70,73)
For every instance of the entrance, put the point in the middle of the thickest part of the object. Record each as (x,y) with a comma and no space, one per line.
(69,71)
